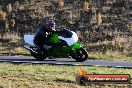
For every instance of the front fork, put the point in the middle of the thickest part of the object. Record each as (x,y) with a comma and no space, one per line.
(74,48)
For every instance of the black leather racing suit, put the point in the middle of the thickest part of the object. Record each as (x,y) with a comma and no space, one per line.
(41,36)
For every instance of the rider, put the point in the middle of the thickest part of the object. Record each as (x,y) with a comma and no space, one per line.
(47,28)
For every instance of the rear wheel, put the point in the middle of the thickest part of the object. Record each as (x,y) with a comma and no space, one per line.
(38,57)
(79,55)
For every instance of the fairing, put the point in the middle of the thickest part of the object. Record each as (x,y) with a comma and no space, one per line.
(72,40)
(29,39)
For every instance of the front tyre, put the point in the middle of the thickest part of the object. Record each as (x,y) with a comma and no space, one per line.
(79,55)
(38,57)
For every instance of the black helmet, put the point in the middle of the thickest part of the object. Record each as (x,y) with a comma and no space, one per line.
(49,23)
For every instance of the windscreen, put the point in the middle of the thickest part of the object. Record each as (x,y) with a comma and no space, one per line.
(66,33)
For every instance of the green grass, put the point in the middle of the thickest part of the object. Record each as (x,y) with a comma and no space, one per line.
(50,76)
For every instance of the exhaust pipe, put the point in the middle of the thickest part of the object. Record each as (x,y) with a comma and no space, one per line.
(30,49)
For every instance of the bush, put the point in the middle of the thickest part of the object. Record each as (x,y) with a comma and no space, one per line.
(85,6)
(61,3)
(9,8)
(99,19)
(2,15)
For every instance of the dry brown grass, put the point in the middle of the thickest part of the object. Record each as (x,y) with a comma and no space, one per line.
(123,42)
(12,36)
(14,51)
(20,50)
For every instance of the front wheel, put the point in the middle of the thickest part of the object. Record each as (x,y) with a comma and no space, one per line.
(79,55)
(38,57)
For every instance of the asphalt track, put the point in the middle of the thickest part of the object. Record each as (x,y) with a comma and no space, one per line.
(66,61)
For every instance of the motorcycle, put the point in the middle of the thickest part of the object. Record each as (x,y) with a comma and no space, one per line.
(66,42)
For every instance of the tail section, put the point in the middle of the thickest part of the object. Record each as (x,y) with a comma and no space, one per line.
(28,39)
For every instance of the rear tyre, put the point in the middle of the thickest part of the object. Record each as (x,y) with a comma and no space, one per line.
(38,57)
(79,55)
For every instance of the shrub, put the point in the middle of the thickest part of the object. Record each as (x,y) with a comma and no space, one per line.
(16,5)
(61,3)
(9,8)
(99,19)
(6,24)
(85,6)
(12,23)
(2,15)
(93,8)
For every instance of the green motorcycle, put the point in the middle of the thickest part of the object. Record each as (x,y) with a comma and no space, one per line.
(66,45)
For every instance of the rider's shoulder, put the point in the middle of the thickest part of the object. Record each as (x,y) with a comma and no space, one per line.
(36,31)
(40,29)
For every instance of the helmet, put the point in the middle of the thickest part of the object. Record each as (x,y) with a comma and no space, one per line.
(49,24)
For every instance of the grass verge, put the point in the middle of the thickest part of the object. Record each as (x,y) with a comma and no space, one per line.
(109,55)
(50,76)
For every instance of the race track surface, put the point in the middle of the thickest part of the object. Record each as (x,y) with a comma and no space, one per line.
(66,61)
